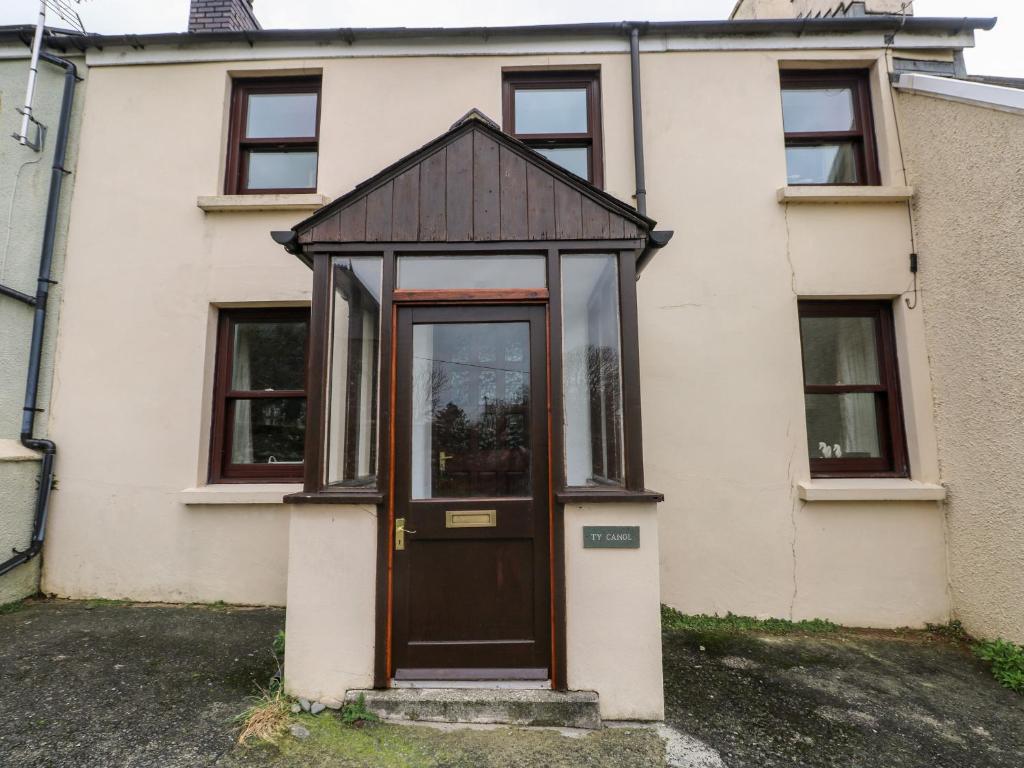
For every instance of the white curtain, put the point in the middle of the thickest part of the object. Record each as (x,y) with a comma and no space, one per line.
(241,379)
(856,363)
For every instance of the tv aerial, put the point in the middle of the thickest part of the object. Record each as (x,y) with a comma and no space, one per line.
(33,132)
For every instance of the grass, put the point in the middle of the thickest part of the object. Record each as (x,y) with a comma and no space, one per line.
(1006,661)
(673,619)
(102,602)
(14,607)
(267,718)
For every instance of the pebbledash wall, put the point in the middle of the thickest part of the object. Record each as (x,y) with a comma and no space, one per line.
(969,215)
(24,187)
(743,528)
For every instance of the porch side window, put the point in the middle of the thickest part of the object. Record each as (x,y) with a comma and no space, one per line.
(851,391)
(259,414)
(827,120)
(592,371)
(274,136)
(354,372)
(559,115)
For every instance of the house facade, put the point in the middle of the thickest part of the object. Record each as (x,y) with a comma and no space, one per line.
(474,402)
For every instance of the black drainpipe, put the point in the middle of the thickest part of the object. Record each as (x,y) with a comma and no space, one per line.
(638,120)
(48,447)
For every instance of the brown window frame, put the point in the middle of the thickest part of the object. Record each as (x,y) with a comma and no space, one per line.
(239,147)
(862,136)
(888,400)
(221,469)
(513,80)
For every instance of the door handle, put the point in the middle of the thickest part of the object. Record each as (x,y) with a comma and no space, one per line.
(443,459)
(400,531)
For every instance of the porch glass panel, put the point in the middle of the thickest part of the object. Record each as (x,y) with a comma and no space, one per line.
(592,371)
(354,372)
(472,272)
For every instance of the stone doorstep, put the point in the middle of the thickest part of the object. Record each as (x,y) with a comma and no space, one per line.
(563,709)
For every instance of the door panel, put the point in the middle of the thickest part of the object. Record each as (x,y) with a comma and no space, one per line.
(471,586)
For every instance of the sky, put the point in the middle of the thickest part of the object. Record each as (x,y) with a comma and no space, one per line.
(999,52)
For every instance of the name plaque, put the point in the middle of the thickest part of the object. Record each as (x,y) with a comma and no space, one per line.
(611,537)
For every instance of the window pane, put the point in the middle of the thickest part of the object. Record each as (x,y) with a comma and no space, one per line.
(282,170)
(268,355)
(471,272)
(471,405)
(354,372)
(268,431)
(822,164)
(551,110)
(591,370)
(281,116)
(839,350)
(814,110)
(573,159)
(842,426)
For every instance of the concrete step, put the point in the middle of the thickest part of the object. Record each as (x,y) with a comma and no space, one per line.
(568,709)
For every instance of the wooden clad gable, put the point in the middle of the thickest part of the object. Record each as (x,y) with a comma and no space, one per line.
(473,184)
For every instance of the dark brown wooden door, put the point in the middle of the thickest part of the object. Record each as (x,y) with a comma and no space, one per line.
(471,581)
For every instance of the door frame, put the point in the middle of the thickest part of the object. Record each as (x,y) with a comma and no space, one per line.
(383,658)
(482,308)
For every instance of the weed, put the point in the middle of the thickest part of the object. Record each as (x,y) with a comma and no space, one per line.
(267,717)
(954,631)
(356,713)
(1006,660)
(278,644)
(14,607)
(673,619)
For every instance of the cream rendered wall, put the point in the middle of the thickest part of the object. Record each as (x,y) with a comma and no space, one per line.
(723,404)
(724,428)
(969,215)
(613,620)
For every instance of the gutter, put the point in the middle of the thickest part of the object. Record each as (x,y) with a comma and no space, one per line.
(48,447)
(702,28)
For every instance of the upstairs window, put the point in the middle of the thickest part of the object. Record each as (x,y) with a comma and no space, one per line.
(851,389)
(826,117)
(559,115)
(274,140)
(259,409)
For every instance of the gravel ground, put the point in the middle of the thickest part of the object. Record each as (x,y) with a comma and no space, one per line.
(849,698)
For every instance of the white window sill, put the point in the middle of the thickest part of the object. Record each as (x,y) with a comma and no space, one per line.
(238,493)
(869,489)
(824,194)
(223,203)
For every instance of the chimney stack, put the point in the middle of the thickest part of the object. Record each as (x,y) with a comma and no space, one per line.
(221,16)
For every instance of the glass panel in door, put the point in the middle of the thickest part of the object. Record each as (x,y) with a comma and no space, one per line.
(470,411)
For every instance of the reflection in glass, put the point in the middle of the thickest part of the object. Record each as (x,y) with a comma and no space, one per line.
(472,272)
(821,164)
(470,418)
(816,110)
(268,431)
(354,368)
(839,350)
(282,170)
(591,370)
(281,116)
(573,159)
(551,110)
(842,426)
(268,356)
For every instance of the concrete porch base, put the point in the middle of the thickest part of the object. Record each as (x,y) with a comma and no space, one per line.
(570,709)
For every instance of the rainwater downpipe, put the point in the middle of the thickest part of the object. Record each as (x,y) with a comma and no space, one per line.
(638,120)
(47,447)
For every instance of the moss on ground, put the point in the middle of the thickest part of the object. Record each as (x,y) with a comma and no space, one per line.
(332,743)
